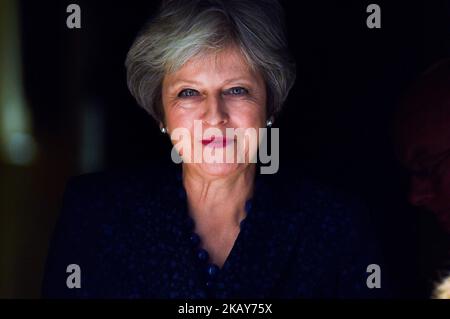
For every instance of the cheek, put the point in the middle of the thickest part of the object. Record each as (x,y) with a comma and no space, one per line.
(179,118)
(246,117)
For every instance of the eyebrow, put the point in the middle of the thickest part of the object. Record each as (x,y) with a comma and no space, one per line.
(235,79)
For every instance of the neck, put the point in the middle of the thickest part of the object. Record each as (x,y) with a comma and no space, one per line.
(218,201)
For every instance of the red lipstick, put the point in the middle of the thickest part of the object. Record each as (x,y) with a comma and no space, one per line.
(220,141)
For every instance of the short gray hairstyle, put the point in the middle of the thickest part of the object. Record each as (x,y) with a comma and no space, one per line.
(183,29)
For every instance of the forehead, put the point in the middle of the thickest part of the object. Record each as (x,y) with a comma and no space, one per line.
(223,59)
(222,65)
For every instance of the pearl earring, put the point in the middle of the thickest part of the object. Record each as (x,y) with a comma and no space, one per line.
(163,130)
(269,122)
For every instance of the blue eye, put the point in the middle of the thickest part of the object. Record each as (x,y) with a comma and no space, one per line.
(188,93)
(237,91)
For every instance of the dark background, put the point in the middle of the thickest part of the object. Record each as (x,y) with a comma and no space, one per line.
(335,126)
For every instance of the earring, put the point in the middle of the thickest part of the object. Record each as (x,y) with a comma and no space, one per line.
(269,122)
(163,130)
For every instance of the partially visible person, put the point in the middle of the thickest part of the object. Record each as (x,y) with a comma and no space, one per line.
(422,141)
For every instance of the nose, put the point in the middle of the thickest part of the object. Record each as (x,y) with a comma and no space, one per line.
(421,191)
(215,113)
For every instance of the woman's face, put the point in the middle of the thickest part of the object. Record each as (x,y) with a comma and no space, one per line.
(209,94)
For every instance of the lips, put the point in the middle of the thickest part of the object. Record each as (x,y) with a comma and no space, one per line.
(214,141)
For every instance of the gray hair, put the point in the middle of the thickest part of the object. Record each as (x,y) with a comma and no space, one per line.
(182,29)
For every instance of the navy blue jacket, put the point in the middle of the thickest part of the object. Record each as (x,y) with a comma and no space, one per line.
(129,233)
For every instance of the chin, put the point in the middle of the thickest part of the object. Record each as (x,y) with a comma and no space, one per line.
(220,169)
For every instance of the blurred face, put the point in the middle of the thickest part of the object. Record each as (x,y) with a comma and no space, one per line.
(208,95)
(424,149)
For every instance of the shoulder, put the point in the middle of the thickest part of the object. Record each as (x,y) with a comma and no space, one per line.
(334,233)
(337,219)
(121,199)
(106,219)
(118,189)
(121,182)
(316,200)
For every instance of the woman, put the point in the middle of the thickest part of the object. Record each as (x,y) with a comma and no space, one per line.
(209,229)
